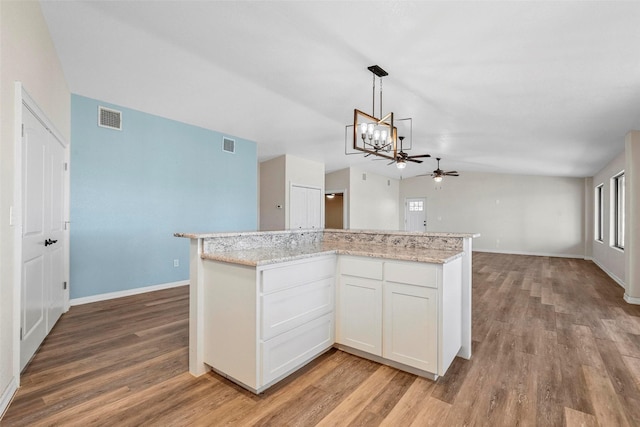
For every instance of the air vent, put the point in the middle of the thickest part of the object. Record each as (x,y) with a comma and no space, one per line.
(108,118)
(228,145)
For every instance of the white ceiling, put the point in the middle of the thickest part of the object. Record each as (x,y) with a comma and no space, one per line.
(543,88)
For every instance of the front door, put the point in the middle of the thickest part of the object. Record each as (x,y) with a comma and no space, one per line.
(416,214)
(42,287)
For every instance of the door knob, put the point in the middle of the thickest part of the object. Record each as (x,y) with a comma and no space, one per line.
(49,242)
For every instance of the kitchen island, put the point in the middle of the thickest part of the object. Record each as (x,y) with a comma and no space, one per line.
(263,304)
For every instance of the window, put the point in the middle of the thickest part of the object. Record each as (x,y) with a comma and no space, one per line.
(599,213)
(618,210)
(416,206)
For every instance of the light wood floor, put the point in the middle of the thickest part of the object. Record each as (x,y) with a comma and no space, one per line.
(554,344)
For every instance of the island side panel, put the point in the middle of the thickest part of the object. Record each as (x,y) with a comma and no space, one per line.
(196,315)
(465,351)
(230,321)
(450,314)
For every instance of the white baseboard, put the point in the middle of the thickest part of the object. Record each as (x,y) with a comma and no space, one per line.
(7,396)
(631,300)
(549,254)
(615,278)
(126,293)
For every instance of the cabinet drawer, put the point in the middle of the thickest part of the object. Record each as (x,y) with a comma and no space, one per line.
(287,351)
(361,267)
(289,308)
(286,276)
(412,273)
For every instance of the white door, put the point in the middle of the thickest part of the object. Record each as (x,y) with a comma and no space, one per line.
(314,208)
(42,287)
(297,207)
(416,214)
(305,207)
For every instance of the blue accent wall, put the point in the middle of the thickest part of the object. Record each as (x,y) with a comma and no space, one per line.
(132,189)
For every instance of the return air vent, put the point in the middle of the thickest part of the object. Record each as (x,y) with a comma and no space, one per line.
(108,118)
(228,145)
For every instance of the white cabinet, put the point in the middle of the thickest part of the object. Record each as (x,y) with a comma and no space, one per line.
(395,310)
(410,325)
(360,294)
(263,323)
(361,314)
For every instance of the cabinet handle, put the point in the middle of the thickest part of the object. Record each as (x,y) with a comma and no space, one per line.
(50,242)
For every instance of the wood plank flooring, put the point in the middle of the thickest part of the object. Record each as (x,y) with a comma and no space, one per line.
(554,344)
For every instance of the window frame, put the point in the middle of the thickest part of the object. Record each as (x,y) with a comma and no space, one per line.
(598,218)
(617,211)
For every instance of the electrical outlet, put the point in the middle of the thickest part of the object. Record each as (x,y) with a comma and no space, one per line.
(176,263)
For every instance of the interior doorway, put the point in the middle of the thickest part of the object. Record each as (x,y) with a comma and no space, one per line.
(334,210)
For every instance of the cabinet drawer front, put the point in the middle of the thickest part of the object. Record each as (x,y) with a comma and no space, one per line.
(286,276)
(290,308)
(412,273)
(284,353)
(361,267)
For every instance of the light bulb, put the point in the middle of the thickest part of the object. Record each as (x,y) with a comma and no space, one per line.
(370,129)
(363,129)
(437,178)
(383,136)
(376,136)
(401,164)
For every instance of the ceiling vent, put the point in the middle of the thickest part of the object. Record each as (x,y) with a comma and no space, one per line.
(108,118)
(228,145)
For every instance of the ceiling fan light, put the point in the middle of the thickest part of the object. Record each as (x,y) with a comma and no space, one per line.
(401,164)
(437,178)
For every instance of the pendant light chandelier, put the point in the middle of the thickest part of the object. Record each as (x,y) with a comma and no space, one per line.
(378,136)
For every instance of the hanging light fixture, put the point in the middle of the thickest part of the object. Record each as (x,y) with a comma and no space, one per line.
(373,135)
(378,136)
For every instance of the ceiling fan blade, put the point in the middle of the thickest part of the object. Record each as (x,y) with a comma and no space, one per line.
(411,159)
(451,174)
(420,155)
(391,162)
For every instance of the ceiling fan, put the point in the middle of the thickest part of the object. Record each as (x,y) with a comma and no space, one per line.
(402,158)
(439,174)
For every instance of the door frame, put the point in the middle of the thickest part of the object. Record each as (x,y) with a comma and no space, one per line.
(22,98)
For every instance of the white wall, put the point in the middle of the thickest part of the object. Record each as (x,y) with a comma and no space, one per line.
(609,259)
(27,54)
(373,202)
(514,213)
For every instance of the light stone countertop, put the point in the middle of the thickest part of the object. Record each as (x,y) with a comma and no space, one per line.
(272,255)
(375,232)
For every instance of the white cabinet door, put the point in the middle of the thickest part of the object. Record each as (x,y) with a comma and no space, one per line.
(360,323)
(411,325)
